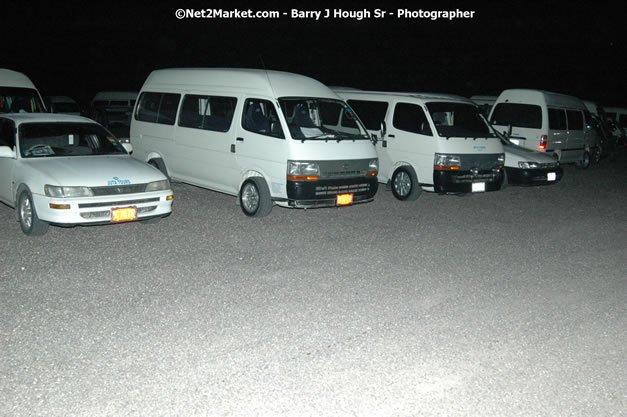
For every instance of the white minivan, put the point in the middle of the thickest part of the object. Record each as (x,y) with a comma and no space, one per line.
(430,142)
(264,136)
(546,122)
(18,93)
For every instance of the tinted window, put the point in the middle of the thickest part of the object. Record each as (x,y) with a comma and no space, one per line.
(518,115)
(622,120)
(20,100)
(157,108)
(7,133)
(575,120)
(557,119)
(371,113)
(207,112)
(411,118)
(260,116)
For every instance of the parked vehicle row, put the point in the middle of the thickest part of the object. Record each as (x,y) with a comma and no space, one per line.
(271,137)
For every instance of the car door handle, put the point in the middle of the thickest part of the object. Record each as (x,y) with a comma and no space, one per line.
(391,136)
(240,139)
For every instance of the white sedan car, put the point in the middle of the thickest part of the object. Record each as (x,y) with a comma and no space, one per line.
(69,170)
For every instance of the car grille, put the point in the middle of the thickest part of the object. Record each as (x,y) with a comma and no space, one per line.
(119,189)
(118,203)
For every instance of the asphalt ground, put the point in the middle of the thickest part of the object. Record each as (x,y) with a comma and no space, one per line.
(510,303)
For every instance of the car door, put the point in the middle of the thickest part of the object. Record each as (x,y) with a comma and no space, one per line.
(558,137)
(7,164)
(260,145)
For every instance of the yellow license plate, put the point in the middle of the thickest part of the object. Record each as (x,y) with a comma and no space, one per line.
(344,199)
(124,214)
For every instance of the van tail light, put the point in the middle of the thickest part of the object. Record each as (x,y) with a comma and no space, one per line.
(543,140)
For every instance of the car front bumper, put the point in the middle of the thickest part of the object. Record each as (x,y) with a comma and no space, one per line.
(534,176)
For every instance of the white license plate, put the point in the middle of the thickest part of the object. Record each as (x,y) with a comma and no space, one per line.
(478,187)
(551,176)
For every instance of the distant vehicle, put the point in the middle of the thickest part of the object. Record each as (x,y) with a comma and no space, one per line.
(113,110)
(546,122)
(598,123)
(428,141)
(63,104)
(618,118)
(68,170)
(264,136)
(18,93)
(485,103)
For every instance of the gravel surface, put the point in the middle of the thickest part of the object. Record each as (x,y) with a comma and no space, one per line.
(509,303)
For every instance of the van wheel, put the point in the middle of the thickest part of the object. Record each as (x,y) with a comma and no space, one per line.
(160,165)
(405,185)
(596,156)
(27,216)
(585,162)
(254,197)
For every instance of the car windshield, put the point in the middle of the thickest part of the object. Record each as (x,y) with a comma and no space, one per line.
(116,119)
(20,100)
(319,119)
(66,139)
(458,120)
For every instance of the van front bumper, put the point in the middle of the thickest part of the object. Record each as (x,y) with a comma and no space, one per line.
(323,193)
(461,181)
(536,176)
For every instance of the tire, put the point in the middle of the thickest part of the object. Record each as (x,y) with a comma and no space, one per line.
(27,216)
(254,197)
(585,162)
(405,186)
(160,165)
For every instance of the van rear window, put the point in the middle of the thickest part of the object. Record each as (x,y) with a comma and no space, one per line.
(518,115)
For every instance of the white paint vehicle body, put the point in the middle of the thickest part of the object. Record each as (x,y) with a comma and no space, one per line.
(414,152)
(73,172)
(18,93)
(263,136)
(546,122)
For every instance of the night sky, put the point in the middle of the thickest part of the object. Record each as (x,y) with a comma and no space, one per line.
(69,49)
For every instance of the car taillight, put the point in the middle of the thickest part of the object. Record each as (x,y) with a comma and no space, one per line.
(543,140)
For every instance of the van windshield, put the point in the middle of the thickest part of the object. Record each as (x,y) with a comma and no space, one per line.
(518,115)
(319,119)
(66,139)
(20,100)
(458,120)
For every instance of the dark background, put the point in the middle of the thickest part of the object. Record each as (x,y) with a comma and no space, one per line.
(77,50)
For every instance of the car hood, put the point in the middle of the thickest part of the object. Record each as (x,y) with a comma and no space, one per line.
(515,154)
(94,171)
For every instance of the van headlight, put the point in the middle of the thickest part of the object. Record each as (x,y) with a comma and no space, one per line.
(158,185)
(373,168)
(302,171)
(67,192)
(445,161)
(528,165)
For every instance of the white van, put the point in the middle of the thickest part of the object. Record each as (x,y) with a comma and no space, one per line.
(430,142)
(264,136)
(18,93)
(546,122)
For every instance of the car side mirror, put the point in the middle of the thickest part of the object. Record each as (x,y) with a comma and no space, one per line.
(128,147)
(383,129)
(509,131)
(6,152)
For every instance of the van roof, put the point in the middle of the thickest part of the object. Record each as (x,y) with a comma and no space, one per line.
(45,118)
(269,83)
(419,96)
(10,78)
(523,95)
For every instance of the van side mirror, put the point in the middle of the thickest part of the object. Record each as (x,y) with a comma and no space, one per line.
(6,152)
(383,129)
(128,147)
(509,131)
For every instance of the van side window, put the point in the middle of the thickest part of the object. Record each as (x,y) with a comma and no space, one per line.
(7,133)
(575,120)
(411,118)
(371,113)
(157,108)
(207,112)
(557,119)
(260,116)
